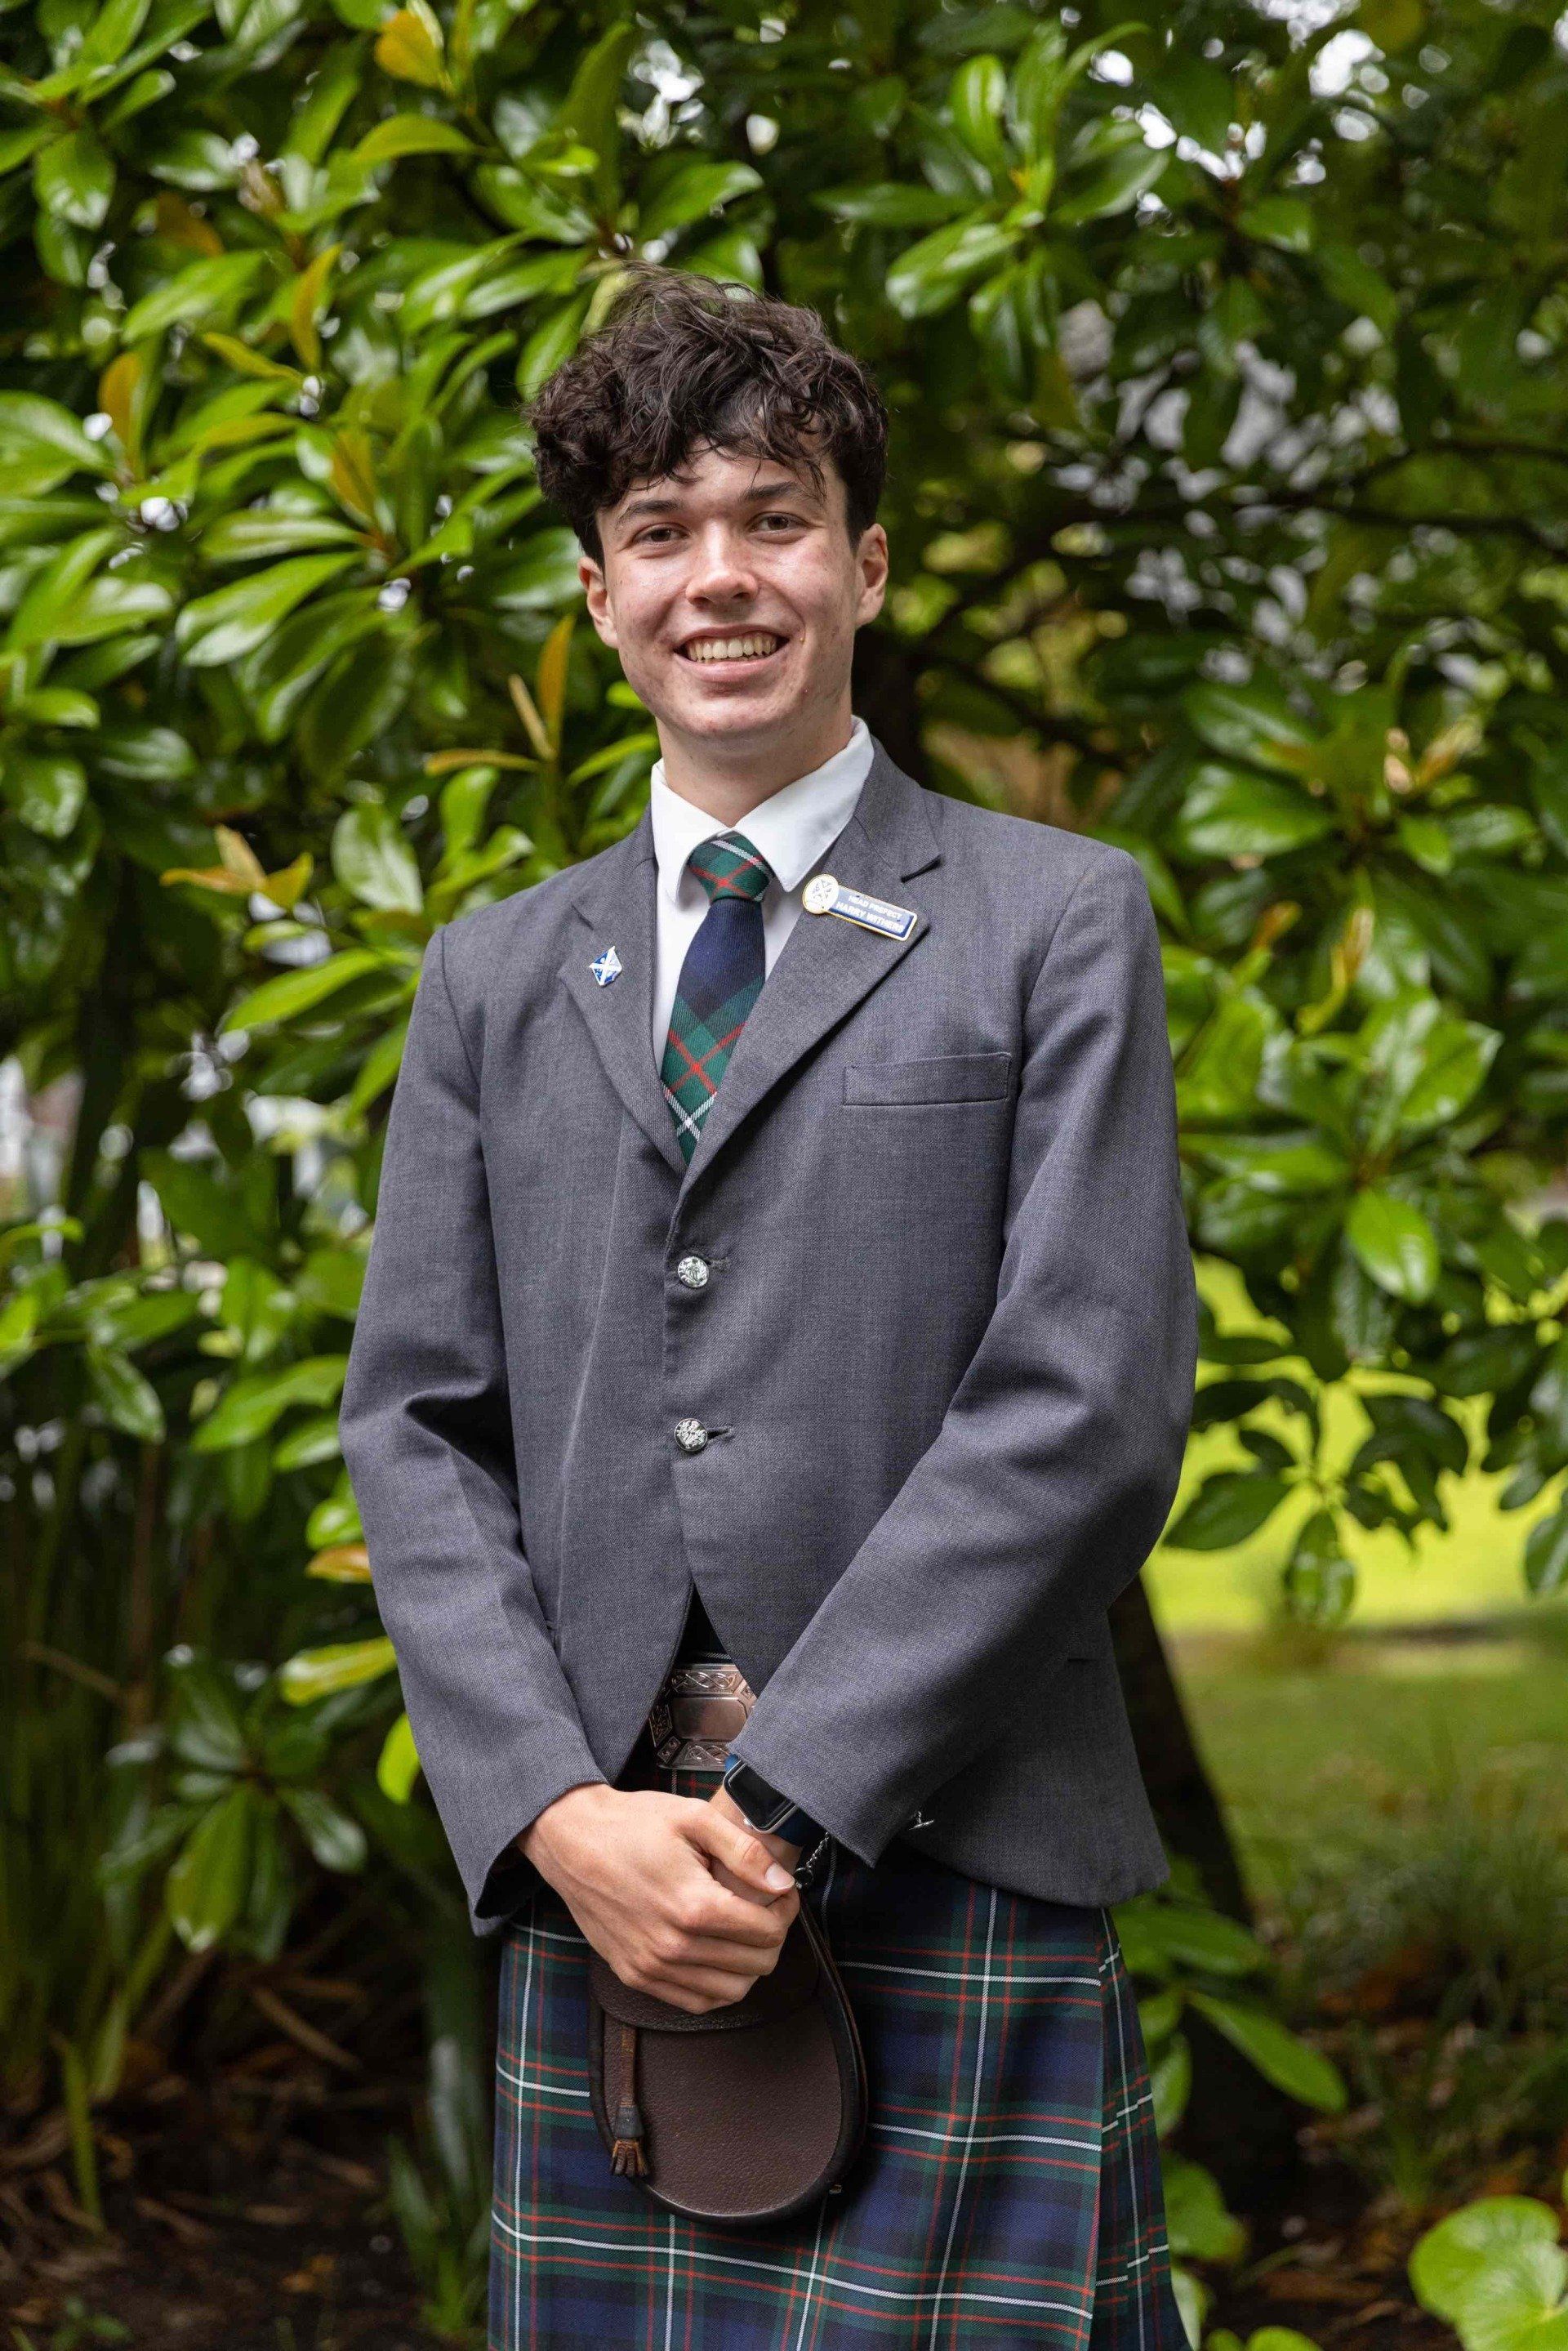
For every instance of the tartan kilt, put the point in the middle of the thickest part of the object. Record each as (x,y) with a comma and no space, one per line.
(1008,2191)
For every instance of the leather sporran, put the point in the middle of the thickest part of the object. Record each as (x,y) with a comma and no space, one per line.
(746,2113)
(750,2111)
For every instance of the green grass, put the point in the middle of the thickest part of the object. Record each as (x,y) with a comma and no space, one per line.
(1308,1759)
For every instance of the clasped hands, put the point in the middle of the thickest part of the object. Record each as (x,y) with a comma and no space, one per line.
(679,1897)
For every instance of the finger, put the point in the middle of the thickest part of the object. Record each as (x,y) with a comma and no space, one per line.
(697,1988)
(718,1951)
(738,1849)
(696,1904)
(724,1877)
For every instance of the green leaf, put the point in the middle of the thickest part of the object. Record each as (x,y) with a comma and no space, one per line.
(411,134)
(1546,1553)
(46,789)
(1195,96)
(207,1886)
(696,188)
(74,179)
(345,1664)
(295,992)
(1395,1243)
(41,444)
(1285,221)
(888,205)
(1159,1936)
(248,1409)
(553,342)
(1228,813)
(128,1400)
(1353,282)
(931,274)
(399,1765)
(1496,2272)
(1320,1580)
(18,1321)
(372,859)
(1113,185)
(233,620)
(1279,2054)
(1227,1509)
(336,1841)
(203,290)
(1039,79)
(1255,721)
(976,100)
(1198,2226)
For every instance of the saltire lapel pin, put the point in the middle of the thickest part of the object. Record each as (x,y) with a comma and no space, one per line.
(606,967)
(824,896)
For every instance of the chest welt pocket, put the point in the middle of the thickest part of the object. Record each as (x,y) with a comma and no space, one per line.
(946,1078)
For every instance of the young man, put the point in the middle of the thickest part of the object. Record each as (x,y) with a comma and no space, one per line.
(780,1261)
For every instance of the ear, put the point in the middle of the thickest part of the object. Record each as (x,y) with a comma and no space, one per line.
(871,564)
(597,594)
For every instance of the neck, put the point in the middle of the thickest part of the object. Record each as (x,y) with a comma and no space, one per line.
(729,780)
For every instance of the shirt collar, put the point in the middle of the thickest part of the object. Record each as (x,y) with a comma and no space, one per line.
(790,827)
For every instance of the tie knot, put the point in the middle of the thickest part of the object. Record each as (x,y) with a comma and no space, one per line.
(728,867)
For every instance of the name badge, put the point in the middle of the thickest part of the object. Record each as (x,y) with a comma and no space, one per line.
(824,896)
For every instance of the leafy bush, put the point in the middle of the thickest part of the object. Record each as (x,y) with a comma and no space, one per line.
(1227,505)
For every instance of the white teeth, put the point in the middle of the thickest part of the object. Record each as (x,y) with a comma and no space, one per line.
(710,649)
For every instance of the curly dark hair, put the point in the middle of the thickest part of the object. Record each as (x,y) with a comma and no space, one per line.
(683,362)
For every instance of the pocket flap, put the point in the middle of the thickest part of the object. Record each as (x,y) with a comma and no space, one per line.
(945,1078)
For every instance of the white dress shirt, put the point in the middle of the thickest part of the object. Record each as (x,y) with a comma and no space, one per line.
(792,829)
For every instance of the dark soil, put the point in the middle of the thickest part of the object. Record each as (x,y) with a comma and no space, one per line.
(223,2231)
(279,2240)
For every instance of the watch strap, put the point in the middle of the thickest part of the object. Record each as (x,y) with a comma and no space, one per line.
(765,1809)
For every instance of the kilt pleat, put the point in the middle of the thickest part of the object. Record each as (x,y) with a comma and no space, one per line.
(1008,2191)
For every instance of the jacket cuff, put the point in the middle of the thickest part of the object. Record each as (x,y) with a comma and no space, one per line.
(828,1806)
(483,1839)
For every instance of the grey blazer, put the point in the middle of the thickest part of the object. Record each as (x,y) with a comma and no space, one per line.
(943,1356)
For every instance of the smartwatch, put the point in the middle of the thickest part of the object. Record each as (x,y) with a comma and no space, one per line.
(765,1809)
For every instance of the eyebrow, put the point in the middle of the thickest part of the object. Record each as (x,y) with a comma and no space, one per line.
(764,494)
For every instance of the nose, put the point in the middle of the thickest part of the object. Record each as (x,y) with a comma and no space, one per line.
(722,571)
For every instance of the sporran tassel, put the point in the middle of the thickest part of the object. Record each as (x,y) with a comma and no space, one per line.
(628,2152)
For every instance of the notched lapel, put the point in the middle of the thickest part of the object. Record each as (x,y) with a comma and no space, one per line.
(827,966)
(615,901)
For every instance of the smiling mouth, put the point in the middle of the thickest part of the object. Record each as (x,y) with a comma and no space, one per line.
(747,645)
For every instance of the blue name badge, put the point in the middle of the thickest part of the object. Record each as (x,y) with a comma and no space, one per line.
(823,896)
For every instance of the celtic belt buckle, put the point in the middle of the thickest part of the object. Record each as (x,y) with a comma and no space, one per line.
(698,1711)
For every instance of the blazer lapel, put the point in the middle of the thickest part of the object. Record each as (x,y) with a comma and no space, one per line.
(827,965)
(615,898)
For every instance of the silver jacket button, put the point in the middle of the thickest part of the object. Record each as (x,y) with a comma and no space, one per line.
(693,1272)
(690,1435)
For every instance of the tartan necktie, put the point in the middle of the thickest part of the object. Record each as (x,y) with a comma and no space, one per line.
(720,979)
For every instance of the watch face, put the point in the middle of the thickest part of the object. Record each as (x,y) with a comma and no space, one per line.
(760,1804)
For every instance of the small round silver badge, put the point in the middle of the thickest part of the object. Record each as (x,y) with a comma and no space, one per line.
(690,1435)
(820,894)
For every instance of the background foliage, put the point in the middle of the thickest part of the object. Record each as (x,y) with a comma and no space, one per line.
(1226,354)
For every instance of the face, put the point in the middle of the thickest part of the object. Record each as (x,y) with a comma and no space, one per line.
(731,592)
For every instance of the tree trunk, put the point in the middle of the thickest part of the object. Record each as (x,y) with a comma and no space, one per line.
(1185,1805)
(1236,2124)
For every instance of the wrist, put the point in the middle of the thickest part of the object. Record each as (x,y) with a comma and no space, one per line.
(576,1812)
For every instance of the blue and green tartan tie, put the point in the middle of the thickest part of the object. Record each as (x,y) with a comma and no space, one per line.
(720,979)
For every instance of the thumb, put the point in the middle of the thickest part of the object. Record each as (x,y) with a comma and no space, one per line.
(739,1850)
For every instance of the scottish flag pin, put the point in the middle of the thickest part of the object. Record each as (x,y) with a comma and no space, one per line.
(606,967)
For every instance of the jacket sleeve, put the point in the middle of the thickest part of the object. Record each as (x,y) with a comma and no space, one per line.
(1049,1477)
(427,1435)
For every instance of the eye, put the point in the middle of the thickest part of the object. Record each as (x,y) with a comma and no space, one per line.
(789,521)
